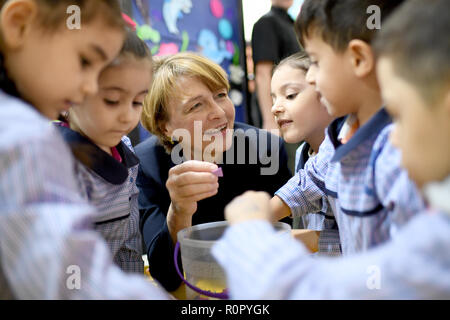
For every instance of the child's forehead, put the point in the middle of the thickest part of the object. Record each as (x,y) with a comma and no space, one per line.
(288,71)
(316,44)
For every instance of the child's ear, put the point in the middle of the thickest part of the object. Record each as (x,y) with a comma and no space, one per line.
(16,19)
(362,58)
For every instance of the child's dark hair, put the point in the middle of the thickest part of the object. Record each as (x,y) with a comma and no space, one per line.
(53,13)
(416,40)
(134,46)
(338,22)
(298,60)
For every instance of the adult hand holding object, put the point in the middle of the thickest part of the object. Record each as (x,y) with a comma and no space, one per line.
(187,184)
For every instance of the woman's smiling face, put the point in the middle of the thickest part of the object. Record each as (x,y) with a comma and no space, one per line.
(206,115)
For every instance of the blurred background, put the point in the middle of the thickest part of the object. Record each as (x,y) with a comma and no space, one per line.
(218,29)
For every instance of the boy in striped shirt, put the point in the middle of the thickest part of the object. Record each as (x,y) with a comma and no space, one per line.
(356,169)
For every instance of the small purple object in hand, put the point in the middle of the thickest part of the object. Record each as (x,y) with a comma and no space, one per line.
(218,172)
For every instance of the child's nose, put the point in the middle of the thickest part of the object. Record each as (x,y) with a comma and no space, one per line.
(311,75)
(126,115)
(277,107)
(90,84)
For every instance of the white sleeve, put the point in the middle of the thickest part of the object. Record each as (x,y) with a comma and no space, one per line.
(47,248)
(260,264)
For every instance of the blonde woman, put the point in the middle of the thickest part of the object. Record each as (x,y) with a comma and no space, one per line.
(191,117)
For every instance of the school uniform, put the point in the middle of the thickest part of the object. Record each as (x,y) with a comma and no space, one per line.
(369,193)
(411,265)
(48,249)
(329,243)
(260,264)
(110,186)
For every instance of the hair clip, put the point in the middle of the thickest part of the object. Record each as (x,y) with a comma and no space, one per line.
(129,21)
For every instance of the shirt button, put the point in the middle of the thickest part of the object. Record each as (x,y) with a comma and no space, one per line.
(131,179)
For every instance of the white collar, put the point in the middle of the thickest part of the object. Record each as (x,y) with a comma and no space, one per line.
(438,195)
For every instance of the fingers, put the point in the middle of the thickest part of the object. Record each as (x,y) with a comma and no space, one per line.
(192,181)
(190,192)
(193,165)
(190,178)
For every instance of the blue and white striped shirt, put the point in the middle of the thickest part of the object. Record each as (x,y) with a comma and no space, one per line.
(47,248)
(110,186)
(369,193)
(323,220)
(262,264)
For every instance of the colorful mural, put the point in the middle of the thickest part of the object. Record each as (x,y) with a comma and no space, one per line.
(210,27)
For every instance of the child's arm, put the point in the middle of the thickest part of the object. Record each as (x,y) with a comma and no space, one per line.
(279,209)
(261,264)
(305,191)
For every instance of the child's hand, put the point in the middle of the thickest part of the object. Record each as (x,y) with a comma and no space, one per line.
(249,206)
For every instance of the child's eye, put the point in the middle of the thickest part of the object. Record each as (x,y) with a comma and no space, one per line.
(291,96)
(221,95)
(111,102)
(85,63)
(138,104)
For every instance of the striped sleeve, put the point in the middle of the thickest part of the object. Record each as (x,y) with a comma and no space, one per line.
(260,264)
(392,184)
(47,249)
(304,192)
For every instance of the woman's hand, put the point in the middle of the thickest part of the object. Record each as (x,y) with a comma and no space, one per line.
(188,183)
(251,205)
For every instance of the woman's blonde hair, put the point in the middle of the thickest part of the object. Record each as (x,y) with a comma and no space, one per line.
(166,72)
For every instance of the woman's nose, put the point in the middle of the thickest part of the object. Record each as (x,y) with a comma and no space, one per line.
(216,111)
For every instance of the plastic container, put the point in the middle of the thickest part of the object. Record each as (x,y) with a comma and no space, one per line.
(203,274)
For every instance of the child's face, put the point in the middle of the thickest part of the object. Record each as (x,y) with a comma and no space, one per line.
(54,70)
(422,131)
(115,111)
(296,106)
(331,74)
